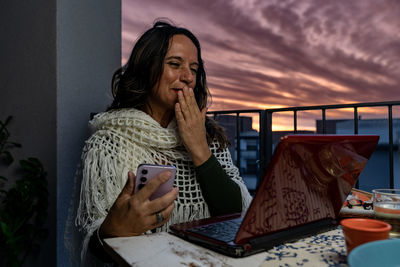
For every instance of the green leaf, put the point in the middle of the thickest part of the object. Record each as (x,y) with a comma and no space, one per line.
(35,161)
(8,158)
(6,122)
(26,165)
(9,118)
(4,229)
(16,144)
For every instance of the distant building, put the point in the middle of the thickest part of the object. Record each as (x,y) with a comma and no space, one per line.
(228,122)
(330,126)
(249,147)
(250,158)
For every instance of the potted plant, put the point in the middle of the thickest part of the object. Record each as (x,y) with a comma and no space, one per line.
(23,204)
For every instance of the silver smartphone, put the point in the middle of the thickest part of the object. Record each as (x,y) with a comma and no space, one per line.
(146,172)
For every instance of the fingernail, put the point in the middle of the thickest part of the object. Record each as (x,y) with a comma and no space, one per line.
(166,175)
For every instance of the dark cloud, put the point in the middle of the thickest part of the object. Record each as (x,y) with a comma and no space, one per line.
(286,53)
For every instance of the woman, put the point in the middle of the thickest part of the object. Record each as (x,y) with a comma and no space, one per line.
(158,116)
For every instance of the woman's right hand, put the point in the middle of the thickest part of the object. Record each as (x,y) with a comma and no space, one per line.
(133,214)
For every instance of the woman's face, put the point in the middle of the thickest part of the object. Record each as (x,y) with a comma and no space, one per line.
(179,69)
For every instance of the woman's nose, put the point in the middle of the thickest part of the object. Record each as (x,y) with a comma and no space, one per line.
(186,76)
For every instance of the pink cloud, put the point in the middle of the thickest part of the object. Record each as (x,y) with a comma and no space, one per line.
(285,53)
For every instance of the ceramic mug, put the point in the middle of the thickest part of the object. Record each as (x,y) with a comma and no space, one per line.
(358,231)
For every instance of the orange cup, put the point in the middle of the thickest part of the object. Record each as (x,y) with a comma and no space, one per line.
(358,231)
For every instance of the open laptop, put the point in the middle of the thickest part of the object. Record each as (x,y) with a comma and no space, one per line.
(301,194)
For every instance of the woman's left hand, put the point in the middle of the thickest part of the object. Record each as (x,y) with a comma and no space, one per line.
(191,125)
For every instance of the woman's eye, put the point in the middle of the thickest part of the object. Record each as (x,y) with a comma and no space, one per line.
(194,71)
(174,64)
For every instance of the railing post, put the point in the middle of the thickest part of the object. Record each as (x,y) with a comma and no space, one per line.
(355,120)
(267,120)
(323,121)
(238,140)
(357,185)
(391,146)
(263,143)
(295,121)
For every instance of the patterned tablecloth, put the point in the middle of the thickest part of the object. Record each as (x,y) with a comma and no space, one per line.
(326,249)
(164,249)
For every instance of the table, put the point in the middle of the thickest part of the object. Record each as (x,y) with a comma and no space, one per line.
(164,249)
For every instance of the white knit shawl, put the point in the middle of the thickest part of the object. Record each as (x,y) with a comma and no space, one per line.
(121,141)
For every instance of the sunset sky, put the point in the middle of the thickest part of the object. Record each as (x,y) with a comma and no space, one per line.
(268,54)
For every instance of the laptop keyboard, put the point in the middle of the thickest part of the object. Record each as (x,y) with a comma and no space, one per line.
(223,231)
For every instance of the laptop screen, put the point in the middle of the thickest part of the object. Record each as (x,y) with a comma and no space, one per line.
(307,180)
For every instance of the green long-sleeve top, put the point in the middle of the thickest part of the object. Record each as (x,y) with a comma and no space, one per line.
(220,192)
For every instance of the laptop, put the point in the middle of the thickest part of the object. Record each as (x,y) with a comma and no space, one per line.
(304,187)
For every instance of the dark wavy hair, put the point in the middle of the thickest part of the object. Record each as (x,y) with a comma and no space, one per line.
(132,83)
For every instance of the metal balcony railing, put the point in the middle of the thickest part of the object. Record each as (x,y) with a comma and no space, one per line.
(265,130)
